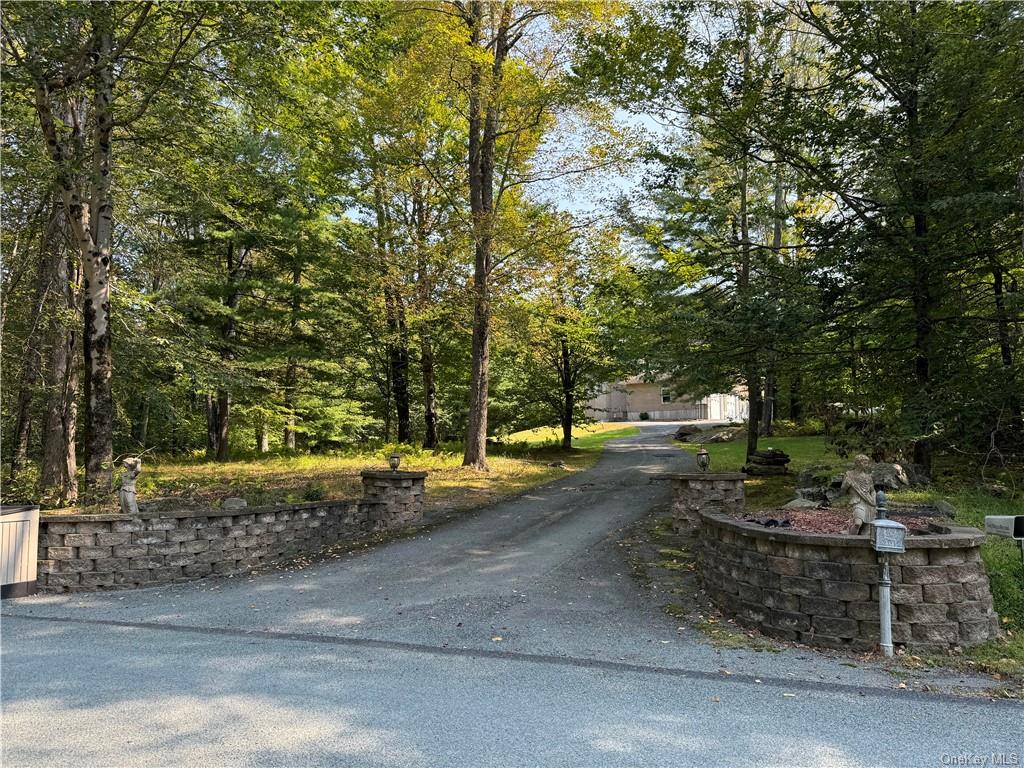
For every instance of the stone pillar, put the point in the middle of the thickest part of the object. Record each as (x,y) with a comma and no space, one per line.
(707,492)
(392,499)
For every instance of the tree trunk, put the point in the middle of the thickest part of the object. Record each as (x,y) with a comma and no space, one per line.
(430,438)
(212,427)
(768,407)
(399,362)
(291,377)
(99,434)
(796,406)
(223,424)
(58,480)
(568,393)
(142,425)
(262,436)
(483,133)
(1013,388)
(751,372)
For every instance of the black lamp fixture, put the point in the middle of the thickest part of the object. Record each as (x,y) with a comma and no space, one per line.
(394,460)
(703,459)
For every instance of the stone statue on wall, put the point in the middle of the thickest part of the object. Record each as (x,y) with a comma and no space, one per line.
(861,487)
(126,493)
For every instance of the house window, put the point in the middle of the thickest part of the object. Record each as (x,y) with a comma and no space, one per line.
(666,395)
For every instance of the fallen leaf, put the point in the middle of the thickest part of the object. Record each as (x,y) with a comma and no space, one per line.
(496,638)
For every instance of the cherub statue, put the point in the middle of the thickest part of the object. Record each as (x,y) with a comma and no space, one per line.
(859,483)
(126,493)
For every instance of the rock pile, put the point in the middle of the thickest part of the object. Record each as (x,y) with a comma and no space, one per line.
(770,461)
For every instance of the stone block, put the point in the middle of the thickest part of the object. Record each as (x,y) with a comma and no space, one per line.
(845,590)
(133,577)
(51,539)
(77,565)
(148,562)
(197,570)
(910,557)
(797,585)
(976,590)
(112,564)
(862,611)
(790,621)
(864,573)
(943,593)
(80,540)
(210,534)
(181,558)
(902,594)
(826,570)
(784,566)
(973,610)
(63,579)
(47,566)
(806,552)
(851,555)
(131,550)
(972,632)
(256,529)
(94,552)
(166,573)
(165,548)
(925,574)
(210,556)
(923,613)
(194,547)
(199,523)
(93,526)
(182,534)
(111,539)
(161,524)
(763,579)
(835,627)
(822,606)
(266,517)
(120,526)
(60,528)
(235,531)
(149,537)
(97,579)
(247,541)
(968,572)
(939,632)
(947,556)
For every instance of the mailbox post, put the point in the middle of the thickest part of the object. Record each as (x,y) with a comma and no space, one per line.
(887,536)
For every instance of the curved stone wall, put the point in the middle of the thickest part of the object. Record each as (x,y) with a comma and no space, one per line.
(823,589)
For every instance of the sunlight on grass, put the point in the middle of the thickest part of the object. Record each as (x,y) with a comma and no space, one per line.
(290,479)
(548,434)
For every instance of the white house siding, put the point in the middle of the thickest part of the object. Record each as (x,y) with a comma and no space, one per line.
(625,401)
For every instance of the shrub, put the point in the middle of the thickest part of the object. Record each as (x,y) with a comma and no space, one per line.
(644,416)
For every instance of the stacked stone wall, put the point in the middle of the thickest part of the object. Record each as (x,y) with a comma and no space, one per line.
(86,552)
(822,590)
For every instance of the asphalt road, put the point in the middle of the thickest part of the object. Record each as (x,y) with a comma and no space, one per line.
(513,637)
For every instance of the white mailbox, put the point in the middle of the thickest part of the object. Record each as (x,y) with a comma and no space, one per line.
(888,536)
(1011,526)
(19,550)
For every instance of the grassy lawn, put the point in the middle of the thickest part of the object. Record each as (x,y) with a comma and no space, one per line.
(529,462)
(1002,556)
(769,492)
(582,435)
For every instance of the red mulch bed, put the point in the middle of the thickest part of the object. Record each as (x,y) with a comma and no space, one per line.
(827,520)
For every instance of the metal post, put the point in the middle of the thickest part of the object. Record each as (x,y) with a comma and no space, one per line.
(885,608)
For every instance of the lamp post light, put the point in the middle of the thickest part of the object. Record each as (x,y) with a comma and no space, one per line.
(886,536)
(703,459)
(394,460)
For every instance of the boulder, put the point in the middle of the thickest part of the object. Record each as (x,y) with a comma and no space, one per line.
(686,430)
(799,503)
(892,477)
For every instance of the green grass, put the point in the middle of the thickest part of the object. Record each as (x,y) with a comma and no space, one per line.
(175,482)
(583,435)
(769,492)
